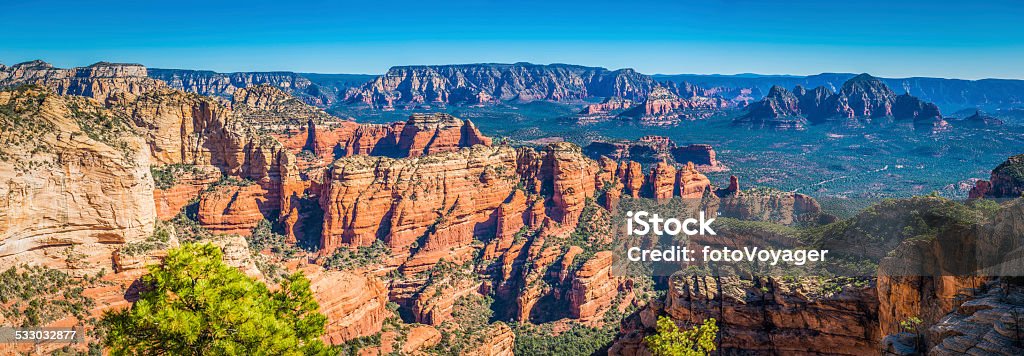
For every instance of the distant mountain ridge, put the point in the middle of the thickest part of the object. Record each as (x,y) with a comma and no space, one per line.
(320,90)
(861,99)
(492,82)
(485,83)
(949,94)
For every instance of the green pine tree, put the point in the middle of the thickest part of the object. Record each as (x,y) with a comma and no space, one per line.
(670,341)
(194,304)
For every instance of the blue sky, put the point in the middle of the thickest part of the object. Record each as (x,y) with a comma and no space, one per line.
(953,39)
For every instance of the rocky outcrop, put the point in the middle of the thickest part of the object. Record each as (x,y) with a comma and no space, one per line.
(190,129)
(434,202)
(499,340)
(572,179)
(664,107)
(772,316)
(1007,181)
(653,149)
(490,83)
(861,99)
(421,134)
(419,338)
(234,209)
(425,134)
(980,120)
(691,184)
(594,288)
(624,150)
(663,181)
(991,324)
(702,156)
(98,81)
(355,305)
(762,204)
(608,107)
(75,181)
(632,176)
(267,105)
(188,182)
(435,303)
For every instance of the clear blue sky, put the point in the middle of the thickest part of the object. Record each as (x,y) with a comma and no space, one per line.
(958,39)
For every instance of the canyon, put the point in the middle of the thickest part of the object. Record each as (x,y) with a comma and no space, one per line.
(411,224)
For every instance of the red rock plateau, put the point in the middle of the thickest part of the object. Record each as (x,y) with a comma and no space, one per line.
(653,149)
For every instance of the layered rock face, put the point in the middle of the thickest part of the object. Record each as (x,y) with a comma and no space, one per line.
(768,205)
(268,105)
(425,134)
(594,287)
(1007,181)
(355,305)
(989,324)
(75,182)
(322,93)
(652,149)
(663,181)
(453,194)
(862,98)
(421,134)
(500,341)
(779,317)
(98,81)
(235,209)
(487,83)
(572,181)
(188,183)
(663,106)
(703,156)
(607,106)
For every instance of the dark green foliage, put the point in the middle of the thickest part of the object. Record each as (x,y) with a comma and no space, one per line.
(875,231)
(579,340)
(20,128)
(166,176)
(158,240)
(670,340)
(265,239)
(32,296)
(1013,168)
(101,126)
(348,259)
(306,155)
(471,315)
(226,180)
(187,228)
(352,347)
(194,304)
(594,225)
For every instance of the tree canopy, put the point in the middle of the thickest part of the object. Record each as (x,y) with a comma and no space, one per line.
(671,341)
(194,304)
